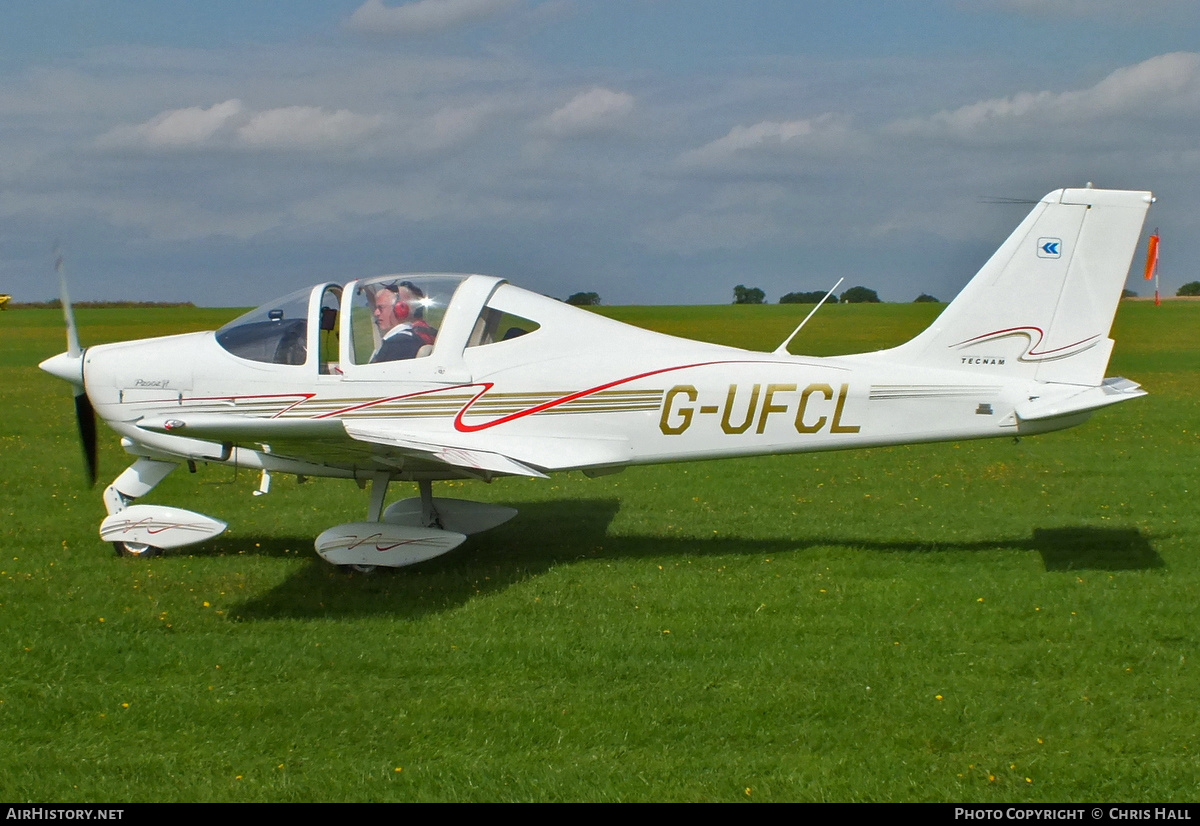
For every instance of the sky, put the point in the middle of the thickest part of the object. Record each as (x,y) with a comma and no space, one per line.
(651,151)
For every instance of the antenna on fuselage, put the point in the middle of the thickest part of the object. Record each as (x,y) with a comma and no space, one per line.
(782,349)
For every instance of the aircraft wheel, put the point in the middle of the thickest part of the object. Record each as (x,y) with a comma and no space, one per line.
(363,569)
(136,549)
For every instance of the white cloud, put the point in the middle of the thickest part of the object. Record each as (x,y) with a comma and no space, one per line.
(592,111)
(230,124)
(1113,111)
(176,128)
(1163,84)
(304,127)
(822,131)
(1169,79)
(423,16)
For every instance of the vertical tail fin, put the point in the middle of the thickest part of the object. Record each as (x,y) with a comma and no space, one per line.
(1043,304)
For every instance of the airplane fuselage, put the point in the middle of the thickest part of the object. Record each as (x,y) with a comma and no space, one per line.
(720,402)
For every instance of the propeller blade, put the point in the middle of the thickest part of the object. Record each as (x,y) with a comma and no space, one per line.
(69,366)
(85,417)
(73,348)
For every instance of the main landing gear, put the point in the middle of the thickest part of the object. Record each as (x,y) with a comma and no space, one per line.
(409,531)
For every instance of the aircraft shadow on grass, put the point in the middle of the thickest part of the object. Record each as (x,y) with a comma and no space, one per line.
(573,530)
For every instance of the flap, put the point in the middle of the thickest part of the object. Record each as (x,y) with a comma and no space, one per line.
(449,454)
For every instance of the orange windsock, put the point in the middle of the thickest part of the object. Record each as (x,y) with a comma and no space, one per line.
(1152,256)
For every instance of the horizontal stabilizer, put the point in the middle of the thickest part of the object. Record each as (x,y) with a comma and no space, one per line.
(1112,390)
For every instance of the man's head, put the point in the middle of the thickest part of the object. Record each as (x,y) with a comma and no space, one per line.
(396,304)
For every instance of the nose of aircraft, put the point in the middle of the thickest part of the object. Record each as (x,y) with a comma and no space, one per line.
(66,367)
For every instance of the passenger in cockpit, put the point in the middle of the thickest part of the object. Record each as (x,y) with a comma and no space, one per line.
(398,311)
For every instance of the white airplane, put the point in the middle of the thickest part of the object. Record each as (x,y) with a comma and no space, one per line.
(436,377)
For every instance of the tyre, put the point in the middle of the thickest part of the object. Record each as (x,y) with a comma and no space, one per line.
(136,549)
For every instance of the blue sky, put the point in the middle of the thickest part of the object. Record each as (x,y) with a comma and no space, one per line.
(653,151)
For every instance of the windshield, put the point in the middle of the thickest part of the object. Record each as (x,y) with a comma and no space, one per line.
(275,333)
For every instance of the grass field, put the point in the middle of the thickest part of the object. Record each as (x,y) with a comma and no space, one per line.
(984,621)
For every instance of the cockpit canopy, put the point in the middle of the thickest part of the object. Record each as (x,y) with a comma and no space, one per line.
(386,320)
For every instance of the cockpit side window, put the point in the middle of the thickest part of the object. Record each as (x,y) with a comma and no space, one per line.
(275,333)
(495,325)
(396,318)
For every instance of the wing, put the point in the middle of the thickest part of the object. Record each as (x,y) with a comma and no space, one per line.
(372,445)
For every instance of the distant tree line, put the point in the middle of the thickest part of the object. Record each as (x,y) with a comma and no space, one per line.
(56,304)
(752,295)
(855,295)
(863,295)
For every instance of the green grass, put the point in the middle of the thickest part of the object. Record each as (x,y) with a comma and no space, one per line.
(934,622)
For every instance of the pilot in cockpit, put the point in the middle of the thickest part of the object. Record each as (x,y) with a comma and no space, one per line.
(398,312)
